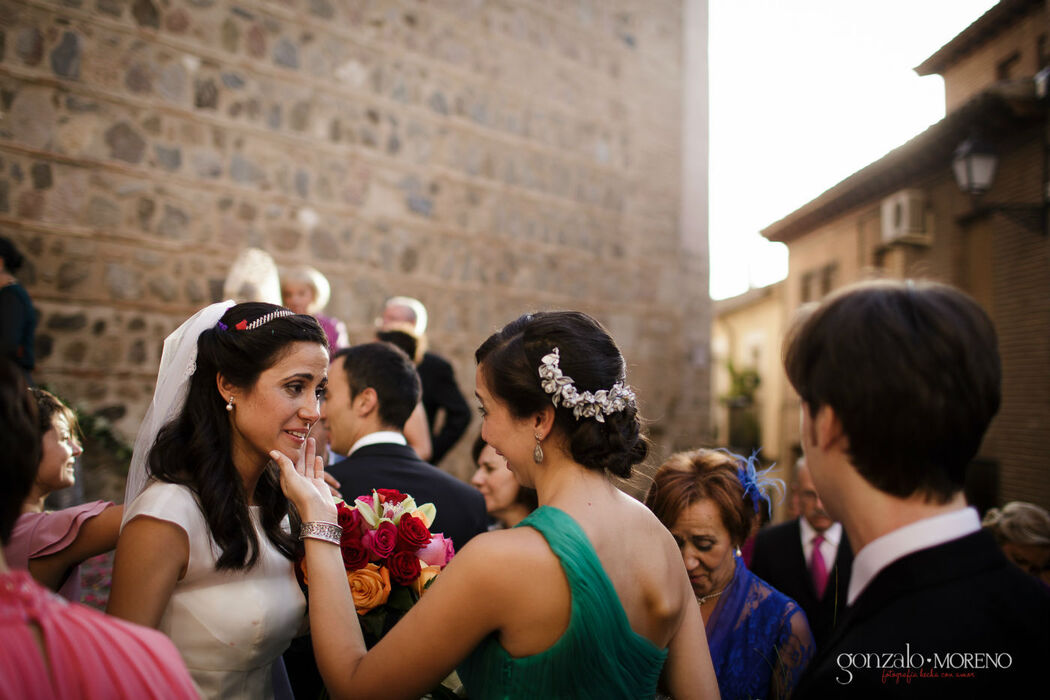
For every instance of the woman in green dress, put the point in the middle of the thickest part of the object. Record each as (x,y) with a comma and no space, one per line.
(587,597)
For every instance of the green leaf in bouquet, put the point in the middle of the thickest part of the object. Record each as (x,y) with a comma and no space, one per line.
(373,623)
(400,599)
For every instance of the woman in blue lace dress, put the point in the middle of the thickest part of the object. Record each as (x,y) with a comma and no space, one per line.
(759,638)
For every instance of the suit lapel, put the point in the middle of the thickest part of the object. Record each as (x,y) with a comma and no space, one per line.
(960,558)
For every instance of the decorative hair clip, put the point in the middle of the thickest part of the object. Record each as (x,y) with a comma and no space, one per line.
(755,482)
(243,324)
(586,405)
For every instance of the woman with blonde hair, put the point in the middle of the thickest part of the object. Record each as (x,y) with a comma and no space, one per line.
(1023,532)
(306,291)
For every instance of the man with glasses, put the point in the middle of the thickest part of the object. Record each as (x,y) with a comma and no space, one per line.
(807,559)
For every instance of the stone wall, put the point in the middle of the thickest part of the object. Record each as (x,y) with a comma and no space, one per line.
(489,158)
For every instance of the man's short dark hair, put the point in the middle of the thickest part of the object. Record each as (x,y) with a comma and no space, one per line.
(390,372)
(911,370)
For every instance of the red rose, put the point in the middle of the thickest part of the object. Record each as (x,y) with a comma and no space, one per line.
(404,568)
(381,541)
(391,496)
(412,533)
(350,520)
(355,553)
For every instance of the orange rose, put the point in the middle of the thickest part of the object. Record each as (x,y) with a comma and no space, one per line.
(369,586)
(428,573)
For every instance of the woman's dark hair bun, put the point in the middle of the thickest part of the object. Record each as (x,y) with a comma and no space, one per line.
(511,359)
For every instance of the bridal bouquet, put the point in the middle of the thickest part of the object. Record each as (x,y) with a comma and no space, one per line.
(390,556)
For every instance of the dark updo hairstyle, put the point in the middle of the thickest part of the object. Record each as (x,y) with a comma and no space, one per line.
(195,449)
(688,477)
(526,496)
(19,443)
(510,362)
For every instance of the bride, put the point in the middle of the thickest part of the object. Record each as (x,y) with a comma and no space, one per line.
(585,598)
(205,554)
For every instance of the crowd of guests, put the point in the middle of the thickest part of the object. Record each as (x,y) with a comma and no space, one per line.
(561,585)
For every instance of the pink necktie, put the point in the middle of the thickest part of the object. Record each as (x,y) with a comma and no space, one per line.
(817,568)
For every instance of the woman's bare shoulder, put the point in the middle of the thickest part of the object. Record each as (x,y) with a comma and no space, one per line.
(522,544)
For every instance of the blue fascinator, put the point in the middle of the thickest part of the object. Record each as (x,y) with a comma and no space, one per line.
(757,483)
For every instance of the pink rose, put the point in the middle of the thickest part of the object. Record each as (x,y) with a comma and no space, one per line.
(439,552)
(381,541)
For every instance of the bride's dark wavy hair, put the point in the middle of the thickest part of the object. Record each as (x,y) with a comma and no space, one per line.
(510,362)
(195,448)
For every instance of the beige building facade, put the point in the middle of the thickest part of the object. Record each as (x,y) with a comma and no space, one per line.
(905,216)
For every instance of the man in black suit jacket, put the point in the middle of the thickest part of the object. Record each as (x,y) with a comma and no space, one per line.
(783,558)
(899,381)
(442,399)
(372,390)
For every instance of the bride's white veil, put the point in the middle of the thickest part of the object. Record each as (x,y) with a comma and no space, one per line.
(177,364)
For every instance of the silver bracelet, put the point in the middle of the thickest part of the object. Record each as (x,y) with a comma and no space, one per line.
(320,530)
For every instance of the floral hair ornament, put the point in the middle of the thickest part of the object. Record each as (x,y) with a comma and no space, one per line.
(243,324)
(563,392)
(756,482)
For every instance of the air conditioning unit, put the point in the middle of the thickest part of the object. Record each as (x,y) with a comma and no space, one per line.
(904,218)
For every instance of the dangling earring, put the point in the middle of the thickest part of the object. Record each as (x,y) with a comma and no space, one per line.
(229,404)
(537,453)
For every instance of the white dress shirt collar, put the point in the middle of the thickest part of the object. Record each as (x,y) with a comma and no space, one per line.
(378,438)
(922,534)
(829,548)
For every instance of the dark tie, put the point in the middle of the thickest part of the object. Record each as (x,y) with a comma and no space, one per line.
(817,568)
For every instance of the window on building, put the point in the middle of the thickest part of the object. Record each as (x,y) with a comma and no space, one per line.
(1008,66)
(808,291)
(817,283)
(827,278)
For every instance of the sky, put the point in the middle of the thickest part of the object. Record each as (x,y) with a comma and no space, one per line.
(804,93)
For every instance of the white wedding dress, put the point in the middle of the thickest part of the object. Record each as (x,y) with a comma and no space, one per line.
(229,626)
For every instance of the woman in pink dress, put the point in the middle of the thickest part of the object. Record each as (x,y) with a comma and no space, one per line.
(50,648)
(52,544)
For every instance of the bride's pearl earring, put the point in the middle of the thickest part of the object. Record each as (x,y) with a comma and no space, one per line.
(537,453)
(229,405)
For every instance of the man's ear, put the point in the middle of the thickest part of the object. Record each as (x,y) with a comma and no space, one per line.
(543,422)
(828,430)
(366,402)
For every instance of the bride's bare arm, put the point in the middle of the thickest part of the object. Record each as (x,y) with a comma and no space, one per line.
(459,609)
(151,557)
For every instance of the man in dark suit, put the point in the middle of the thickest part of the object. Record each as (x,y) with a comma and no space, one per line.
(899,381)
(372,390)
(807,559)
(442,399)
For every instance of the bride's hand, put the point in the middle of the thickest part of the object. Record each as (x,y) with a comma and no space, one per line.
(304,484)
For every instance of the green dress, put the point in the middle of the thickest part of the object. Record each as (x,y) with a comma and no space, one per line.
(598,655)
